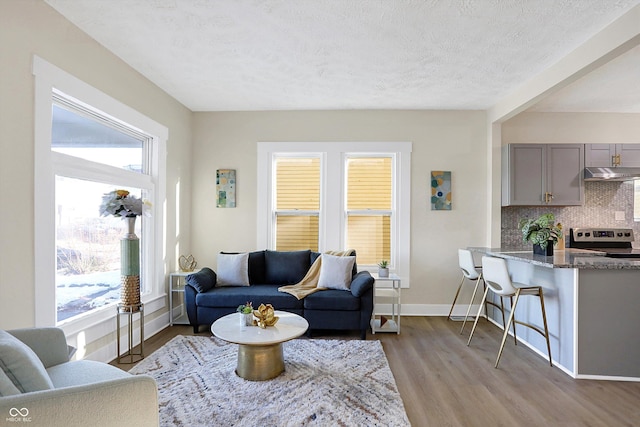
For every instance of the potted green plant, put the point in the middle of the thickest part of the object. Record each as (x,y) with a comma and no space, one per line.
(540,232)
(383,268)
(246,314)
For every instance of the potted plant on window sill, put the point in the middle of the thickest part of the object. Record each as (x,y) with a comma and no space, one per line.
(542,232)
(383,268)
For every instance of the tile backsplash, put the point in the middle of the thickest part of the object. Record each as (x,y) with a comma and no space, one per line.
(602,200)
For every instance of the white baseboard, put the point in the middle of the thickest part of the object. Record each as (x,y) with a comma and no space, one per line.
(428,309)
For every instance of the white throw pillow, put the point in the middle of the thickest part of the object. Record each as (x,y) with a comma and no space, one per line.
(233,270)
(336,271)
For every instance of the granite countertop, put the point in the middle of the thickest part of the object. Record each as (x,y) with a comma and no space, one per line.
(567,258)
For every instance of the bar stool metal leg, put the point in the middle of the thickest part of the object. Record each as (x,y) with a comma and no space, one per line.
(455,298)
(546,329)
(473,297)
(475,322)
(506,327)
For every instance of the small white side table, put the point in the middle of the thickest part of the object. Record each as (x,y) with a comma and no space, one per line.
(176,288)
(387,289)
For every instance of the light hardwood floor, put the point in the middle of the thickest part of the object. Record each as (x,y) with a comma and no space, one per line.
(445,383)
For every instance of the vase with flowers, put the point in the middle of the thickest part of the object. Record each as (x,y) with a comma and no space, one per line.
(542,232)
(120,203)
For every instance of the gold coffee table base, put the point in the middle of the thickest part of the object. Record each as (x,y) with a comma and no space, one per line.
(260,362)
(260,351)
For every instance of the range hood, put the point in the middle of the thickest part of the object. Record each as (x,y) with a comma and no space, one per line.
(611,174)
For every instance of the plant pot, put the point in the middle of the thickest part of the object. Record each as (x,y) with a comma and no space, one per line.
(383,272)
(548,251)
(246,319)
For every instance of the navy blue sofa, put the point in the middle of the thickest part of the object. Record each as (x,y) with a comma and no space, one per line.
(268,270)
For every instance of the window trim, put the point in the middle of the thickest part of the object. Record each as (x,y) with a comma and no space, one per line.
(334,155)
(50,79)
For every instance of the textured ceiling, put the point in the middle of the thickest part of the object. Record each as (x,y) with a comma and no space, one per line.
(228,55)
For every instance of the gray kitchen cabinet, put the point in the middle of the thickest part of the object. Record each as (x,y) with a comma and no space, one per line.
(542,175)
(612,155)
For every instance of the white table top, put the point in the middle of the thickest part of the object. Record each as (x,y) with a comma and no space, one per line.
(289,326)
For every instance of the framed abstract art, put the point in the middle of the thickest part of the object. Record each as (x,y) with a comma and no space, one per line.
(440,190)
(226,188)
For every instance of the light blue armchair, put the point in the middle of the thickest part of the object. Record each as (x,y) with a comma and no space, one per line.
(40,386)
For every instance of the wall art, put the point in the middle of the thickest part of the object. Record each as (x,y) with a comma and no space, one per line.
(226,188)
(440,190)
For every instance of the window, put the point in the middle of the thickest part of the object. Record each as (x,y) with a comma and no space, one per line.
(369,207)
(88,245)
(297,203)
(334,196)
(85,149)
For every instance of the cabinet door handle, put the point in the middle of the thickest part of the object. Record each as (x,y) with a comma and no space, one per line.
(547,197)
(616,160)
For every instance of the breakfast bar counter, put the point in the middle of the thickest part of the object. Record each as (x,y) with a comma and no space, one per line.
(567,258)
(591,303)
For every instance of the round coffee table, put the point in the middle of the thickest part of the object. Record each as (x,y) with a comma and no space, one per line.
(260,355)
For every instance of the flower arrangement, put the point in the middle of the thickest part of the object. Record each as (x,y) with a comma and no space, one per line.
(541,230)
(122,204)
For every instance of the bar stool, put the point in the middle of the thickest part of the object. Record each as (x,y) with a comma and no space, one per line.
(470,271)
(497,279)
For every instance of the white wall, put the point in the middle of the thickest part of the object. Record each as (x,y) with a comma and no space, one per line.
(580,128)
(442,140)
(29,27)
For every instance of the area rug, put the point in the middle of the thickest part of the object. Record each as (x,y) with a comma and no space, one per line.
(325,383)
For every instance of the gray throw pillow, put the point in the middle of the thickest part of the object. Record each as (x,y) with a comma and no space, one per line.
(233,270)
(21,365)
(335,272)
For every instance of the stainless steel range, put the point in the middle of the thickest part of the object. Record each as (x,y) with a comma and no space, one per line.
(615,242)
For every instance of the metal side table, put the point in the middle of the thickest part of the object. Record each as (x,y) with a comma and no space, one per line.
(129,311)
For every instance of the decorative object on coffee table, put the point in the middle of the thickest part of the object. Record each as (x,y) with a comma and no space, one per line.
(266,315)
(542,232)
(246,314)
(120,203)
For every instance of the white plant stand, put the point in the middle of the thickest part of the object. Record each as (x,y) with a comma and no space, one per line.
(387,290)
